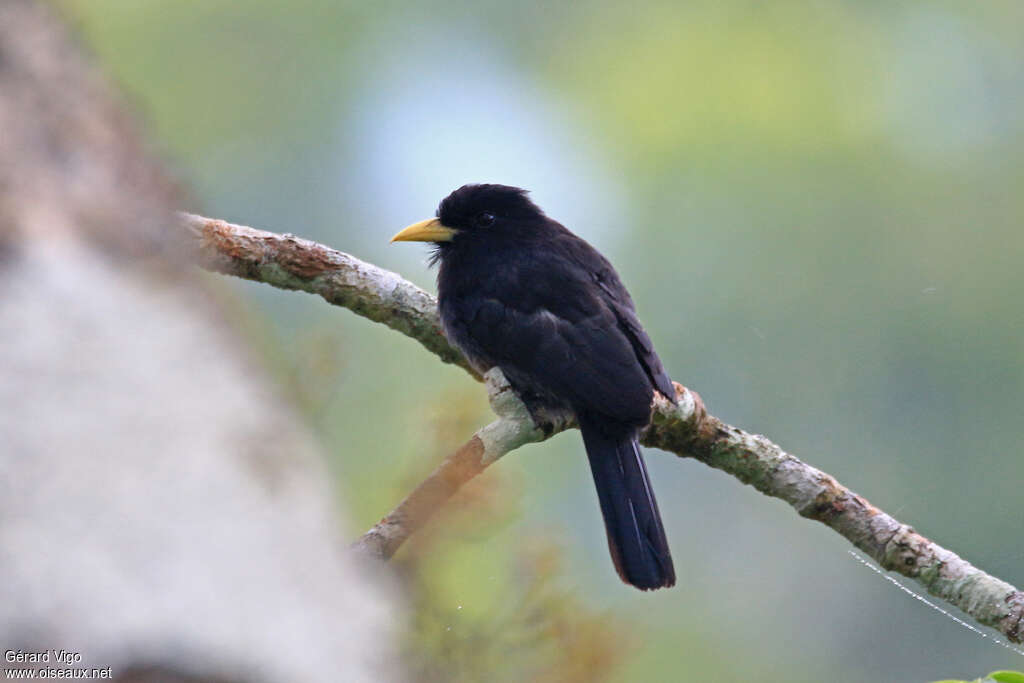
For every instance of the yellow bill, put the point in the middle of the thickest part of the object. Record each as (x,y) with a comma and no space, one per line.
(429,230)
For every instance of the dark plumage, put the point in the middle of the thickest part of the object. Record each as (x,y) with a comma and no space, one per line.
(518,290)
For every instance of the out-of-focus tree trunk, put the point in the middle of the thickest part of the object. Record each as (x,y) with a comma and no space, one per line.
(160,507)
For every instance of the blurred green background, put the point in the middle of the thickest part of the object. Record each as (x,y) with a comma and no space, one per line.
(817,207)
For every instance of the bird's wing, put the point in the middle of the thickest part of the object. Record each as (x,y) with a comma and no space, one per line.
(549,322)
(620,302)
(617,298)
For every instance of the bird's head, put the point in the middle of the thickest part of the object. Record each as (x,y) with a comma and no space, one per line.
(473,212)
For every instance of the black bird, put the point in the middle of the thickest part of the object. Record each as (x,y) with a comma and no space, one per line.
(519,291)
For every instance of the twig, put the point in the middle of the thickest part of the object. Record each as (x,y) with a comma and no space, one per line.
(684,429)
(513,428)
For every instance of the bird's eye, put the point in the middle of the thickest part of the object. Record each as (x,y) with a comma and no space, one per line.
(484,219)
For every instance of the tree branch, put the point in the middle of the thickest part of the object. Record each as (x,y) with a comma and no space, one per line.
(513,428)
(684,429)
(290,262)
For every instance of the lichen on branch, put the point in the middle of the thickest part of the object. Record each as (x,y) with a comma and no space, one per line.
(684,428)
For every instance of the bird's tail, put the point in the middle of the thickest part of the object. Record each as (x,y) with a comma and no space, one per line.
(636,537)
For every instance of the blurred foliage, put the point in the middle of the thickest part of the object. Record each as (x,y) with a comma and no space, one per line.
(532,631)
(816,206)
(494,613)
(522,624)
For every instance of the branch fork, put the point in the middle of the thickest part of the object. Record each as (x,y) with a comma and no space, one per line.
(684,428)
